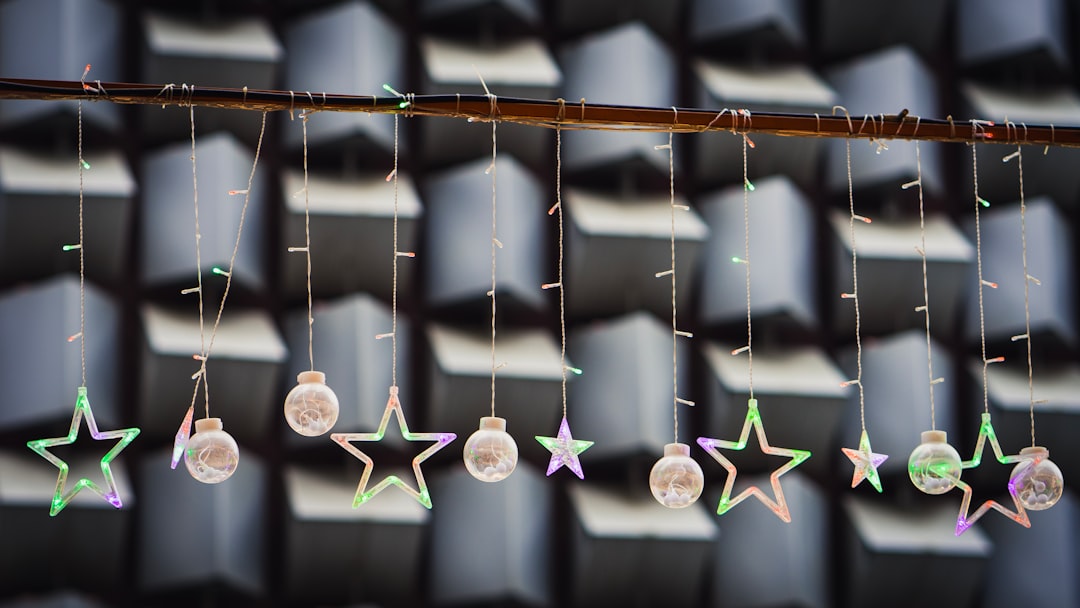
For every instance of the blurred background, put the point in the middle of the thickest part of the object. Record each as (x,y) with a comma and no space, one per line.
(281,531)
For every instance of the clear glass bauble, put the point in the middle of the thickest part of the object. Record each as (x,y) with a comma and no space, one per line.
(490,453)
(934,465)
(1036,480)
(211,454)
(676,480)
(311,407)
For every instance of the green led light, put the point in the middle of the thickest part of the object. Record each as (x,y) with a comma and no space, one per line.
(85,165)
(984,202)
(748,185)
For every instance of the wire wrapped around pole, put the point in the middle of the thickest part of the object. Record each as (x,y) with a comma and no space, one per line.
(547,113)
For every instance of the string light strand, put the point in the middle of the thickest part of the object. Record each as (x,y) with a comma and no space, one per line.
(562,292)
(232,259)
(494,244)
(747,187)
(394,279)
(307,245)
(82,250)
(674,316)
(200,377)
(1027,288)
(925,308)
(854,295)
(981,202)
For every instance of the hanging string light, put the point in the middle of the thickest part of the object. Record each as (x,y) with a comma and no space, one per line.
(565,450)
(864,458)
(676,480)
(1035,481)
(393,404)
(934,465)
(778,505)
(211,454)
(63,495)
(964,519)
(490,453)
(311,407)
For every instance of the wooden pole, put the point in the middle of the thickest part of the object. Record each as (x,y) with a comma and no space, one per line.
(548,113)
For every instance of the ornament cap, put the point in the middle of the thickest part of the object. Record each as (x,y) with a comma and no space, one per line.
(208,424)
(934,437)
(311,377)
(1035,451)
(493,423)
(676,449)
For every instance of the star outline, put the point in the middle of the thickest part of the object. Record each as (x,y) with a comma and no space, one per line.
(420,493)
(61,499)
(964,520)
(753,418)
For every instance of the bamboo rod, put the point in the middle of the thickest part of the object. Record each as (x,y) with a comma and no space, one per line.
(548,113)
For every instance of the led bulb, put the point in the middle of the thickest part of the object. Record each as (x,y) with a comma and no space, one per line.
(311,408)
(934,466)
(491,453)
(676,479)
(211,455)
(1036,480)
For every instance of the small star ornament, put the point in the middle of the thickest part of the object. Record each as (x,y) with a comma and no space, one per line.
(61,498)
(420,493)
(183,434)
(964,520)
(753,418)
(564,450)
(866,462)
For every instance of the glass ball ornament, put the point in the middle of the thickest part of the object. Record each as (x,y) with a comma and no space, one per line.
(934,465)
(676,480)
(211,454)
(1036,480)
(311,407)
(490,453)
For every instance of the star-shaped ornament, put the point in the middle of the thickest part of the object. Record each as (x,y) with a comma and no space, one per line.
(753,418)
(420,493)
(82,410)
(866,462)
(183,434)
(564,450)
(965,521)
